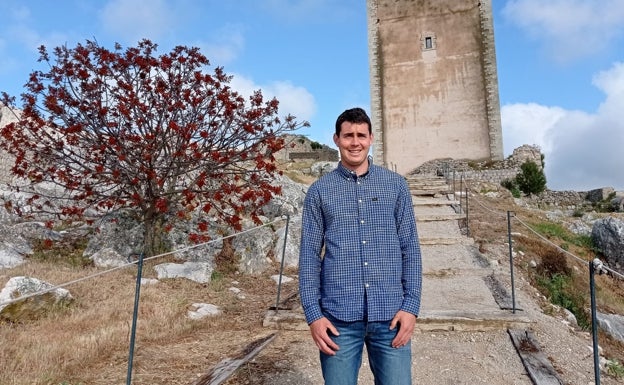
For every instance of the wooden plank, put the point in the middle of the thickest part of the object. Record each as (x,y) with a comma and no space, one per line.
(224,369)
(535,362)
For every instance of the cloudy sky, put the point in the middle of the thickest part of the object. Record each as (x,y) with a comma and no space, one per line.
(560,63)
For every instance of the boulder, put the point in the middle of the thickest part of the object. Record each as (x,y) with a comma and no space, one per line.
(253,248)
(617,204)
(319,169)
(203,310)
(599,194)
(25,299)
(16,241)
(293,238)
(608,237)
(612,324)
(289,202)
(195,271)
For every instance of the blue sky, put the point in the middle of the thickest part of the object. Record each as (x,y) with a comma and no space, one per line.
(560,63)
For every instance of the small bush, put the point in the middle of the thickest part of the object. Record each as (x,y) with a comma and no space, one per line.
(531,179)
(512,186)
(553,264)
(560,291)
(615,368)
(68,252)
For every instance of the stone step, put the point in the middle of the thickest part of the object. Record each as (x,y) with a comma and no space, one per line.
(429,193)
(440,217)
(433,202)
(433,241)
(433,320)
(419,183)
(450,320)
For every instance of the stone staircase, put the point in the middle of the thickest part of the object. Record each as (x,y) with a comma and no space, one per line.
(457,282)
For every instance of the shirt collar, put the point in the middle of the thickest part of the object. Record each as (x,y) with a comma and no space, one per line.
(351,174)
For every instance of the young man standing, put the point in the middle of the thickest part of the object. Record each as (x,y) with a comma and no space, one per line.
(360,269)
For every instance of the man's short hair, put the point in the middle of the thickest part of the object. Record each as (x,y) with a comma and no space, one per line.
(353,115)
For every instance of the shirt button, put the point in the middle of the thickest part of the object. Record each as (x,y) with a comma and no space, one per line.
(359,201)
(366,285)
(365,263)
(362,221)
(363,242)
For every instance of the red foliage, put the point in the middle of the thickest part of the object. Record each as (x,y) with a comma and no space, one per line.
(128,128)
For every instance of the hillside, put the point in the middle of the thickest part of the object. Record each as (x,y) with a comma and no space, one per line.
(88,343)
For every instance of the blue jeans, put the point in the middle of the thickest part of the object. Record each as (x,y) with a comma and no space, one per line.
(390,366)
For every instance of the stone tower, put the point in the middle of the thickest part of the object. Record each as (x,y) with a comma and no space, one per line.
(434,86)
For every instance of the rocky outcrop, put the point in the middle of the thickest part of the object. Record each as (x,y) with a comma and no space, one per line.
(608,237)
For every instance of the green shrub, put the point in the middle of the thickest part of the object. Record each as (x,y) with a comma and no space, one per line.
(615,368)
(512,186)
(531,179)
(560,291)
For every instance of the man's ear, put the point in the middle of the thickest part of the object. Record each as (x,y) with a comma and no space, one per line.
(336,140)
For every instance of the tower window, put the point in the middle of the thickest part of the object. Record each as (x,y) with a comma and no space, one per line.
(428,41)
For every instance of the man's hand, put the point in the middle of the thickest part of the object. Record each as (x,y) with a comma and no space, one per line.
(319,330)
(406,322)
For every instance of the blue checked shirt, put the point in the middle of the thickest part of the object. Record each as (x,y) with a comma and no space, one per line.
(371,263)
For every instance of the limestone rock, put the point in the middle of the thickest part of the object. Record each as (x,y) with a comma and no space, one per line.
(608,237)
(195,271)
(33,299)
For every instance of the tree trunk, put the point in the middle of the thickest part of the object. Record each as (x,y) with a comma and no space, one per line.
(154,242)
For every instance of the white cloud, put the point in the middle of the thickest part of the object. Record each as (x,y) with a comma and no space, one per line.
(226,45)
(134,20)
(293,100)
(528,124)
(582,151)
(569,29)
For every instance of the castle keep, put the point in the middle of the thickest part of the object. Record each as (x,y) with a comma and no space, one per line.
(434,86)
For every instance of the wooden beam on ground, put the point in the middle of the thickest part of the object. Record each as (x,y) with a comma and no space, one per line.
(224,369)
(535,362)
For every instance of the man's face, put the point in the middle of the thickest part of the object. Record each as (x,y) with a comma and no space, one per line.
(353,144)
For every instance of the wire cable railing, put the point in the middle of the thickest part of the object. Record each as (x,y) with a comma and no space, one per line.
(595,266)
(139,263)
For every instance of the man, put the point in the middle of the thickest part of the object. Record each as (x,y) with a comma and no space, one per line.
(360,270)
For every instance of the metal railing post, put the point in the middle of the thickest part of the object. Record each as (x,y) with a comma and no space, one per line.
(511,266)
(454,198)
(594,265)
(467,221)
(279,283)
(137,295)
(461,189)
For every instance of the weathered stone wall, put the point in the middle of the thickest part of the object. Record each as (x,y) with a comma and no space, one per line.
(434,87)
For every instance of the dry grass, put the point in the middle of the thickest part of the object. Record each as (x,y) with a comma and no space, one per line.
(88,343)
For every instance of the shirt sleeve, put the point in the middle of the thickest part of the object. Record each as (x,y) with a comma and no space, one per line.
(410,250)
(312,235)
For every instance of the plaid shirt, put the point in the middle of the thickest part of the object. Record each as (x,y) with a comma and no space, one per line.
(371,267)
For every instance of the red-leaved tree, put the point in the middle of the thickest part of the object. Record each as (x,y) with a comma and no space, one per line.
(156,134)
